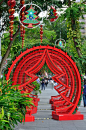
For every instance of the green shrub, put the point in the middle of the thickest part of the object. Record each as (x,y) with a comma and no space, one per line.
(37,88)
(12,105)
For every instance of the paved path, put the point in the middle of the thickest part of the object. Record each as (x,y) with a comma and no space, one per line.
(43,118)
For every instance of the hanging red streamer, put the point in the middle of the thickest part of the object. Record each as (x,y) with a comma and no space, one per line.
(22,29)
(11,4)
(41,32)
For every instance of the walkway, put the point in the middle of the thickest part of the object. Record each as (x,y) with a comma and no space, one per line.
(43,118)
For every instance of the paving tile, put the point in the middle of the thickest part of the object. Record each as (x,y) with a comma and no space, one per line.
(56,128)
(81,128)
(42,124)
(40,128)
(80,123)
(51,124)
(28,129)
(70,128)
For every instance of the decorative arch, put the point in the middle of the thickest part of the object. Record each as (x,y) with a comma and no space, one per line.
(65,71)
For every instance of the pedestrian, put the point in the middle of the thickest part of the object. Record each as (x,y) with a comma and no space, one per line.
(84,94)
(38,80)
(52,83)
(84,78)
(43,83)
(46,82)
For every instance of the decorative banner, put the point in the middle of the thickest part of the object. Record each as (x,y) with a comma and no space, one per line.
(31,16)
(52,15)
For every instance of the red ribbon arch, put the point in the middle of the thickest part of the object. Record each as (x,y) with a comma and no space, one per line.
(65,71)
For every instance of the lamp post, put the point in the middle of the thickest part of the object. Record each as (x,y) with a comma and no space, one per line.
(0,43)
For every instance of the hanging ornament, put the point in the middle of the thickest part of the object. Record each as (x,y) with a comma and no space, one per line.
(11,4)
(60,42)
(41,32)
(30,18)
(52,15)
(22,29)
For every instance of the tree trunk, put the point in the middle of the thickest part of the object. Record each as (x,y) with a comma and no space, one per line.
(8,51)
(69,3)
(75,43)
(74,38)
(77,48)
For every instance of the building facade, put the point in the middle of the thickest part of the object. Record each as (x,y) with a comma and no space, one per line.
(83,26)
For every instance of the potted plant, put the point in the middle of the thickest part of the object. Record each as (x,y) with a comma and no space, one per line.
(12,105)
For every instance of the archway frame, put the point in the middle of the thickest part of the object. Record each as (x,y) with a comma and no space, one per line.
(53,57)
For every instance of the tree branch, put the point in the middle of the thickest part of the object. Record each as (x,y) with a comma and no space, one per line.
(1,2)
(8,50)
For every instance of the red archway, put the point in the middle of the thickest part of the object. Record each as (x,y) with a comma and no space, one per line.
(65,71)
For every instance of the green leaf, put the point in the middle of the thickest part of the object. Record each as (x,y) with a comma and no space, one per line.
(2,112)
(4,121)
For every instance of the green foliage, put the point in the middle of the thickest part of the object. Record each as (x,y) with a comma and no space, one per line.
(12,105)
(37,88)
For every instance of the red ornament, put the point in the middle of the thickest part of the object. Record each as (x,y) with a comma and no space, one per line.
(11,31)
(41,32)
(11,39)
(41,26)
(41,35)
(11,3)
(11,35)
(23,31)
(11,26)
(23,9)
(11,17)
(11,22)
(23,14)
(22,2)
(11,11)
(52,14)
(41,38)
(22,38)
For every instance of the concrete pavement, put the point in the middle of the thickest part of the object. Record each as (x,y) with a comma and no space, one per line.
(43,118)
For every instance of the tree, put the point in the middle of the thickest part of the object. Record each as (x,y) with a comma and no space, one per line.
(5,15)
(72,14)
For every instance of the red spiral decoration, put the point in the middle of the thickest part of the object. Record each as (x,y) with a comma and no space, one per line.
(22,29)
(11,4)
(65,71)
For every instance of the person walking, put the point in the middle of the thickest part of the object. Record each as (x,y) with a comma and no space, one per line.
(85,78)
(52,83)
(46,82)
(84,94)
(43,83)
